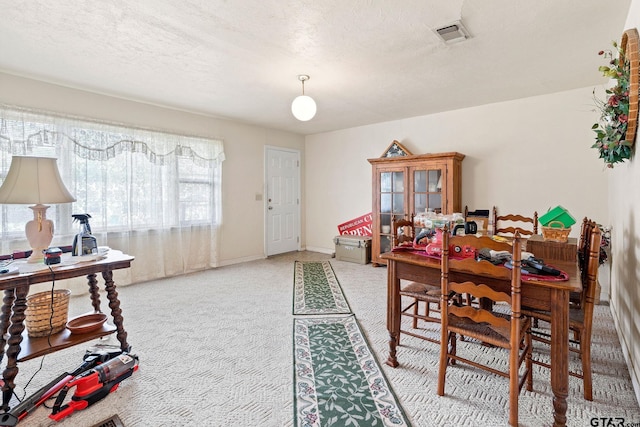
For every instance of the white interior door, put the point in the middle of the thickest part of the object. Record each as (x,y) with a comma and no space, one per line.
(282,224)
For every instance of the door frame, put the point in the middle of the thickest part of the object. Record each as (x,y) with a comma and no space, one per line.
(267,149)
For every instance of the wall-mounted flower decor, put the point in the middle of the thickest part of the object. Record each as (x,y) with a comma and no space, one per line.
(616,129)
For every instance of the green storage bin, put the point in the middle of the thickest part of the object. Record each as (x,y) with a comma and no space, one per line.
(557,214)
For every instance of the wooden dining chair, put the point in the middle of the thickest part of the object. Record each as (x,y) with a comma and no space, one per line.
(584,242)
(417,293)
(580,316)
(403,231)
(505,328)
(509,224)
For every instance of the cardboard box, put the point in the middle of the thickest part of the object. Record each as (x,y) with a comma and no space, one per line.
(353,248)
(548,250)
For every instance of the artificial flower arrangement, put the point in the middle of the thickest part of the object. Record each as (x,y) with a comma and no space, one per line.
(605,242)
(611,129)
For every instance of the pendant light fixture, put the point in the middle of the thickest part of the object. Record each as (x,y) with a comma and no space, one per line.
(303,107)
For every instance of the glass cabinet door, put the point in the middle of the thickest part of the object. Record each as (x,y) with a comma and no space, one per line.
(392,204)
(427,190)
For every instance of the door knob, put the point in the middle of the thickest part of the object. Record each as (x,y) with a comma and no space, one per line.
(270,207)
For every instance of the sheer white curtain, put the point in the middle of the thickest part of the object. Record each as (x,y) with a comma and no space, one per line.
(154,195)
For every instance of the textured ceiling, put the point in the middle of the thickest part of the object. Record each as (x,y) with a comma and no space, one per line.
(369,61)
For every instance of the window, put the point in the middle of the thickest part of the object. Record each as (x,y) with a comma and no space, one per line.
(127,179)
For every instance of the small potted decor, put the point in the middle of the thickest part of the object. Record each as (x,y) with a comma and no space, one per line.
(616,128)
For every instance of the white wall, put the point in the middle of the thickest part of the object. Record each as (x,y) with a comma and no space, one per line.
(624,207)
(243,170)
(522,156)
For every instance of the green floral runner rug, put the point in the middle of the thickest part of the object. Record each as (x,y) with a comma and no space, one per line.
(338,381)
(317,290)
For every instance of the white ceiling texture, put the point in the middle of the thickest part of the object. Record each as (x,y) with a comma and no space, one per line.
(369,60)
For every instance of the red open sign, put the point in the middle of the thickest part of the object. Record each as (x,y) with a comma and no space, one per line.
(360,226)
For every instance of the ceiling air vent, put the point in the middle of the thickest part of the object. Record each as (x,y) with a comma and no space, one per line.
(452,33)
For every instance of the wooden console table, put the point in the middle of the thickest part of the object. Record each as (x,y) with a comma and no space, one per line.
(20,347)
(545,295)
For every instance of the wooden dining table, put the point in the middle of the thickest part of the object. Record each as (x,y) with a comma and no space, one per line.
(538,294)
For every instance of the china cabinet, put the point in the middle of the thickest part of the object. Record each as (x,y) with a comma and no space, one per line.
(406,184)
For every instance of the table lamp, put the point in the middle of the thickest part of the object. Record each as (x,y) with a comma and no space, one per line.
(35,180)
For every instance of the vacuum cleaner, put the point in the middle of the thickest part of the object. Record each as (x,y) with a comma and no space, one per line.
(90,360)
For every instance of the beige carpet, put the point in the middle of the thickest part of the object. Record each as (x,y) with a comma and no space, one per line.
(215,350)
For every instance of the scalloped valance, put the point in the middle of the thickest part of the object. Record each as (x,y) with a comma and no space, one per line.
(27,132)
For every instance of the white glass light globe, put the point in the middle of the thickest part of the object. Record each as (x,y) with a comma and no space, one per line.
(303,108)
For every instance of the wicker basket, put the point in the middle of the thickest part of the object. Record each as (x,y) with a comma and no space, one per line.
(557,233)
(39,319)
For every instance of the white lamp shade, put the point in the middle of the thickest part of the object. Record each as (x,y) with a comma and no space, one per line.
(34,180)
(303,108)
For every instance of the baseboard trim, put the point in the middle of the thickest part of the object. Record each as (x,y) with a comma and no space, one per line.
(626,349)
(321,250)
(240,260)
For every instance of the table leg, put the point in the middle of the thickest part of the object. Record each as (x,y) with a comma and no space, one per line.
(116,312)
(94,292)
(393,312)
(7,303)
(15,338)
(560,355)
